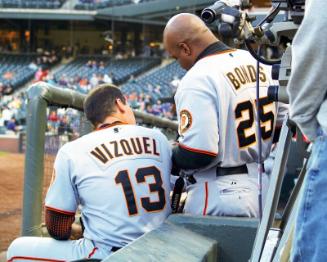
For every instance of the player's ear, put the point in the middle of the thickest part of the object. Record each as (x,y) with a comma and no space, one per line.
(185,48)
(120,106)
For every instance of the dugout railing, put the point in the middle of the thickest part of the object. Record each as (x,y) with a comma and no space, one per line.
(40,97)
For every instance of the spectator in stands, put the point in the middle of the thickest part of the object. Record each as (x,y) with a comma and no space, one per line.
(6,115)
(50,79)
(119,56)
(101,65)
(89,64)
(2,122)
(41,74)
(156,108)
(157,90)
(33,66)
(2,87)
(94,64)
(53,121)
(8,75)
(8,89)
(108,78)
(12,125)
(94,80)
(64,126)
(149,108)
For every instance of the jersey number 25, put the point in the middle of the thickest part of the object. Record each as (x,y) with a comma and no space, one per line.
(141,174)
(246,128)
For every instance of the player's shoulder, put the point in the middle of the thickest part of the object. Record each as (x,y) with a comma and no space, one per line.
(71,146)
(155,132)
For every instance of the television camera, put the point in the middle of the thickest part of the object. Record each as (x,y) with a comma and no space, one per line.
(234,23)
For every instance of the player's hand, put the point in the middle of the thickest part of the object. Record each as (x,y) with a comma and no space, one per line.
(77,232)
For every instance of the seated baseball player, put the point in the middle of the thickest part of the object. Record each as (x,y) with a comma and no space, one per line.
(118,175)
(216,109)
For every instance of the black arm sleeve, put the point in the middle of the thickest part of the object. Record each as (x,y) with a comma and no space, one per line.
(185,159)
(59,225)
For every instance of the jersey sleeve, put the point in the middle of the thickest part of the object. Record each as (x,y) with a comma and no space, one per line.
(61,195)
(197,117)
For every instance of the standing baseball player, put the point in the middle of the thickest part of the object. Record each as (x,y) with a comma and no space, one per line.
(118,175)
(216,110)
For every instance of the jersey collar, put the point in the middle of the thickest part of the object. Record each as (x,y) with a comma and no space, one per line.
(215,48)
(107,125)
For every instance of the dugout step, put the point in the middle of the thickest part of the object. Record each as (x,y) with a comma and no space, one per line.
(169,242)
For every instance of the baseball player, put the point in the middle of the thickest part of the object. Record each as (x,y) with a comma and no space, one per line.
(216,108)
(118,175)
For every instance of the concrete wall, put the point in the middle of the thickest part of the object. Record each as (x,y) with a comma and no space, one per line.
(193,239)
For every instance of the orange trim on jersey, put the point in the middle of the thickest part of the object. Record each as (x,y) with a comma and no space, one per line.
(35,258)
(220,53)
(205,198)
(198,150)
(92,252)
(60,211)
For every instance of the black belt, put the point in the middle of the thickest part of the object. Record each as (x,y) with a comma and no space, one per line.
(226,171)
(114,249)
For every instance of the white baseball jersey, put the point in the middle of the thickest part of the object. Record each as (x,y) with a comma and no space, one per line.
(216,107)
(119,176)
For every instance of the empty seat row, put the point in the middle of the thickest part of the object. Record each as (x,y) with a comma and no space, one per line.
(119,70)
(45,4)
(157,83)
(92,4)
(15,70)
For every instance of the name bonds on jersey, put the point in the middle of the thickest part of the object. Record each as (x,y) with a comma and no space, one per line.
(125,147)
(245,74)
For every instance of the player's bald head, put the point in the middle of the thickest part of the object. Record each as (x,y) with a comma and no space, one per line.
(186,27)
(190,31)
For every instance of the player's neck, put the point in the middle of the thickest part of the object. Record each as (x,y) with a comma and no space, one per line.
(110,121)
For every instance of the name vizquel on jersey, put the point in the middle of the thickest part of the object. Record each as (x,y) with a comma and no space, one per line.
(125,147)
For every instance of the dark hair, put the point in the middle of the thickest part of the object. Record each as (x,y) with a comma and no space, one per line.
(101,102)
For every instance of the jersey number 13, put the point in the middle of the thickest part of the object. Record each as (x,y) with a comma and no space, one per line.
(141,174)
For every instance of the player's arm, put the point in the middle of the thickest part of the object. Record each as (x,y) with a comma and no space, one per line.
(185,158)
(61,201)
(198,126)
(59,225)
